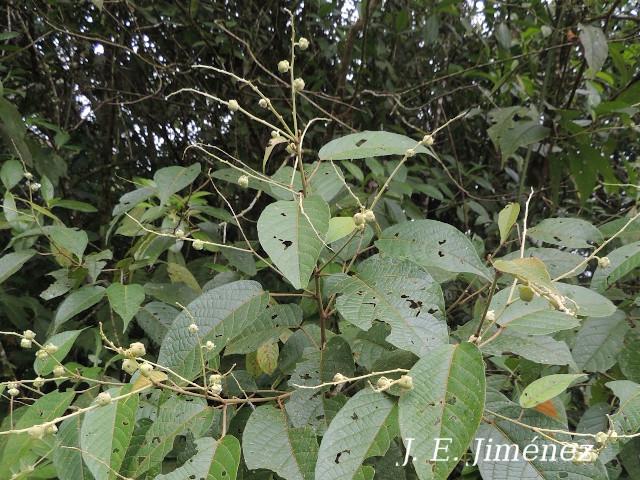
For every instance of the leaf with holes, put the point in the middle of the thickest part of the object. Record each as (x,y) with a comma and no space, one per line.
(566,232)
(269,441)
(396,292)
(430,243)
(546,388)
(368,144)
(447,401)
(221,314)
(106,432)
(213,460)
(627,418)
(363,428)
(623,261)
(293,236)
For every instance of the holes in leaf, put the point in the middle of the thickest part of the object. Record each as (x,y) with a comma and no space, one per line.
(361,142)
(442,242)
(347,451)
(354,416)
(283,214)
(440,253)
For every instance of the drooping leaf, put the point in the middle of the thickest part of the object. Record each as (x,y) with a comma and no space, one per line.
(557,261)
(269,441)
(595,47)
(12,262)
(293,236)
(221,314)
(529,270)
(506,219)
(170,180)
(430,243)
(64,341)
(546,388)
(368,144)
(364,427)
(125,300)
(447,400)
(213,460)
(77,302)
(396,292)
(622,260)
(599,341)
(106,432)
(566,232)
(339,227)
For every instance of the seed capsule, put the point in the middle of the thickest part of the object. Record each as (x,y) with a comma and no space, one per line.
(129,365)
(103,399)
(526,293)
(369,216)
(283,66)
(137,349)
(59,371)
(405,382)
(243,181)
(146,368)
(25,343)
(29,335)
(38,382)
(198,244)
(233,105)
(604,262)
(263,103)
(298,84)
(359,218)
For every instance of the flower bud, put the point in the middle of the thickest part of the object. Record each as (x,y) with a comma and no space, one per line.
(410,152)
(283,66)
(303,43)
(369,216)
(406,382)
(243,181)
(103,399)
(50,348)
(137,349)
(233,105)
(179,232)
(38,382)
(35,186)
(13,392)
(601,437)
(359,218)
(428,140)
(604,262)
(298,84)
(29,335)
(42,353)
(263,102)
(28,175)
(209,345)
(291,148)
(339,378)
(37,432)
(24,343)
(491,315)
(146,368)
(50,429)
(215,378)
(129,365)
(59,371)
(383,383)
(198,244)
(275,134)
(215,389)
(613,436)
(193,329)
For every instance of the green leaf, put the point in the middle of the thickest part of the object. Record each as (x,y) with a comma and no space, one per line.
(339,227)
(132,199)
(272,323)
(270,442)
(447,400)
(77,302)
(521,134)
(627,417)
(557,261)
(537,348)
(67,456)
(267,356)
(291,241)
(12,262)
(170,180)
(44,409)
(529,270)
(106,432)
(506,219)
(623,261)
(566,232)
(64,341)
(221,315)
(73,205)
(587,302)
(125,300)
(595,47)
(11,173)
(176,416)
(599,341)
(71,239)
(368,144)
(155,318)
(396,292)
(180,274)
(213,460)
(546,388)
(430,243)
(363,428)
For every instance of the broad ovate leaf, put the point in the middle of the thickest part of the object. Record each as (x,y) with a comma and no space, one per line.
(170,180)
(64,341)
(125,300)
(530,270)
(622,261)
(596,49)
(213,460)
(447,401)
(566,232)
(363,428)
(106,433)
(77,302)
(599,341)
(397,292)
(293,234)
(221,314)
(546,388)
(269,441)
(430,243)
(12,262)
(368,144)
(627,416)
(340,227)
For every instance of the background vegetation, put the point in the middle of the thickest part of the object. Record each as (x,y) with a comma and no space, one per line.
(549,95)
